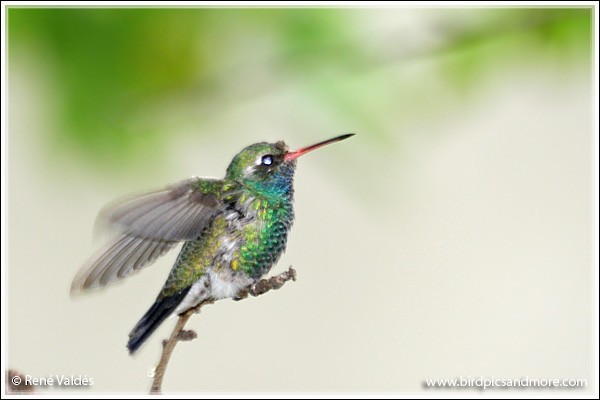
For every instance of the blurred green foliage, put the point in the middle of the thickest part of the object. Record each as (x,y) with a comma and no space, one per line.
(532,35)
(115,66)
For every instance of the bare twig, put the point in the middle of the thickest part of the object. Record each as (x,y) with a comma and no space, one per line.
(179,334)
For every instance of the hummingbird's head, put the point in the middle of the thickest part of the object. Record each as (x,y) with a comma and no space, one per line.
(269,167)
(263,167)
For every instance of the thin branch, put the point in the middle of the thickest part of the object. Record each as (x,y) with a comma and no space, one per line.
(169,346)
(179,334)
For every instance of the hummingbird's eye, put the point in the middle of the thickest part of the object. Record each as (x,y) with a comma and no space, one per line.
(267,160)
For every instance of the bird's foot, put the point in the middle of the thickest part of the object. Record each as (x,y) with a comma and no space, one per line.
(242,294)
(264,285)
(272,283)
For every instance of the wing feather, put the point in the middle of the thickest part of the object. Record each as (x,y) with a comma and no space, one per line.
(179,212)
(118,259)
(149,225)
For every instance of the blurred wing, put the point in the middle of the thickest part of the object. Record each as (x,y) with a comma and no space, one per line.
(117,260)
(179,212)
(151,224)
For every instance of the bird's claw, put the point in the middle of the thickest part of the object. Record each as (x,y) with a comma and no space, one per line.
(242,294)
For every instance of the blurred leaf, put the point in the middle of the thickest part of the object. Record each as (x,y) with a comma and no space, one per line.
(516,36)
(110,63)
(117,68)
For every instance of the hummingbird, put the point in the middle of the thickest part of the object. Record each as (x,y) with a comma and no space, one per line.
(233,231)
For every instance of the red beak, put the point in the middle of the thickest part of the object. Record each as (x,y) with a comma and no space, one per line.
(292,155)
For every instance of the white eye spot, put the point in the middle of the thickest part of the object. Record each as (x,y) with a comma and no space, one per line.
(267,160)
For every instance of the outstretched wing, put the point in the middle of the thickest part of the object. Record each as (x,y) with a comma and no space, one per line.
(118,259)
(150,225)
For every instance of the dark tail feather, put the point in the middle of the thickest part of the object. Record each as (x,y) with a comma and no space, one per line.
(160,310)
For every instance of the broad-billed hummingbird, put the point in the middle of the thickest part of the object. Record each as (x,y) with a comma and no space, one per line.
(234,230)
